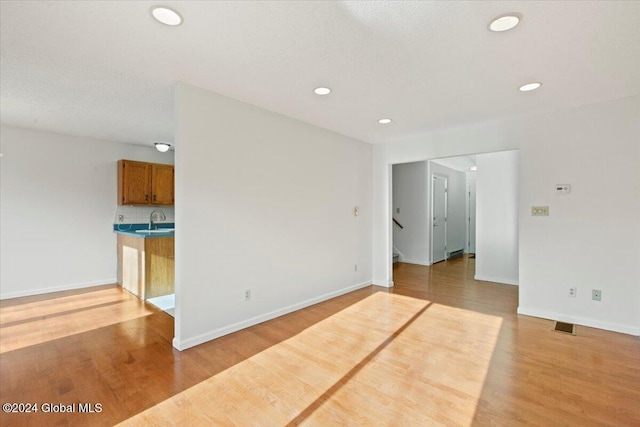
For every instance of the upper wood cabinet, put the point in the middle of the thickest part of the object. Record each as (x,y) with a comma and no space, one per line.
(161,184)
(134,182)
(141,183)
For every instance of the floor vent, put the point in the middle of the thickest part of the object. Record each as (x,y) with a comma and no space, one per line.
(567,328)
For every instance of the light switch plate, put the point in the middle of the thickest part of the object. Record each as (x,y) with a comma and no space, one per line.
(539,210)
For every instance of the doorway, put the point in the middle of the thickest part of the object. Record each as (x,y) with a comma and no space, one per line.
(471,219)
(439,208)
(470,212)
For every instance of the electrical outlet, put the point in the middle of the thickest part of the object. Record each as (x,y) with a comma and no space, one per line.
(247,295)
(120,218)
(596,294)
(539,210)
(573,292)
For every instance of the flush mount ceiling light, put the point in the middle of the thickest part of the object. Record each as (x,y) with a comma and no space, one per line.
(530,86)
(384,121)
(166,16)
(505,22)
(473,168)
(163,147)
(322,91)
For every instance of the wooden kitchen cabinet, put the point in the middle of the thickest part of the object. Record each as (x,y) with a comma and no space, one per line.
(142,183)
(162,184)
(146,267)
(134,182)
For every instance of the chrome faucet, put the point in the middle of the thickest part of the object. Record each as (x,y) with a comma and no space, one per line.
(153,225)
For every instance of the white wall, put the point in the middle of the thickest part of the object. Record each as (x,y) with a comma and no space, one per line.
(263,202)
(57,201)
(456,211)
(592,237)
(410,195)
(497,217)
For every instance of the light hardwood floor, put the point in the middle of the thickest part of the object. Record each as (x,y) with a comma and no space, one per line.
(438,349)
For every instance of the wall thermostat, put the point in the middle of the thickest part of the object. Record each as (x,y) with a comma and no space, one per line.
(563,188)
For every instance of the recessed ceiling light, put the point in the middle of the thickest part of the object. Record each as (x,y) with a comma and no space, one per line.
(384,121)
(322,91)
(473,168)
(530,86)
(166,16)
(505,22)
(163,147)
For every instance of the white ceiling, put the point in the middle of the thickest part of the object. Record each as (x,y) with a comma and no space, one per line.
(106,69)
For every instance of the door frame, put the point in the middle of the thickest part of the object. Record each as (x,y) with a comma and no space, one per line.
(471,213)
(434,176)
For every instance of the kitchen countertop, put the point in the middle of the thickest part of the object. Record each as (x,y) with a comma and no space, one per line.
(130,230)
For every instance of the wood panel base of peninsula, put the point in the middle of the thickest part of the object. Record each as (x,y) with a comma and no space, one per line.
(146,267)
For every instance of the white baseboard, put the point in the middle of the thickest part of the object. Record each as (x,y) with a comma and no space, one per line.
(400,254)
(592,323)
(496,279)
(30,292)
(416,261)
(390,284)
(225,330)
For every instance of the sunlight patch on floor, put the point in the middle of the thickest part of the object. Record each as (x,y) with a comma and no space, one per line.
(386,358)
(24,325)
(12,313)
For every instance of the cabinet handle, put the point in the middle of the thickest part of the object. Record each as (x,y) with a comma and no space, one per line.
(146,197)
(154,197)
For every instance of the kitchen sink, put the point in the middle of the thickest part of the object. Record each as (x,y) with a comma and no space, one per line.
(159,230)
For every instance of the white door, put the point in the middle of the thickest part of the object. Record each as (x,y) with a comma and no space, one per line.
(471,244)
(439,224)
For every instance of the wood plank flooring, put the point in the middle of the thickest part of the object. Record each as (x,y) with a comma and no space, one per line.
(438,349)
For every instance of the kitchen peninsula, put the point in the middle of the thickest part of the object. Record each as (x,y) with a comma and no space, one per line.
(146,263)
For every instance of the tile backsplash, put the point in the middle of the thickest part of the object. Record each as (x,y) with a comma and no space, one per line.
(140,214)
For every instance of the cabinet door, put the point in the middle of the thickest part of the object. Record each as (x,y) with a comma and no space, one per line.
(134,183)
(162,184)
